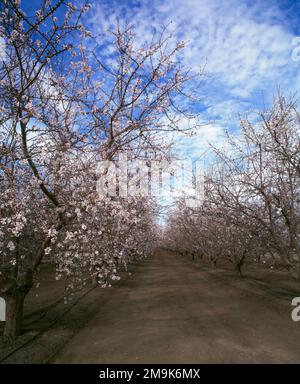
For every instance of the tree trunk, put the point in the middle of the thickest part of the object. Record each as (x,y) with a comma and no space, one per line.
(14,314)
(239,269)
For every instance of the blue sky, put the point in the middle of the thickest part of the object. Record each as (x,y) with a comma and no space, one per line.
(246,47)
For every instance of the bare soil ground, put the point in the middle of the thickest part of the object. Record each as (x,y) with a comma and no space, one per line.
(173,310)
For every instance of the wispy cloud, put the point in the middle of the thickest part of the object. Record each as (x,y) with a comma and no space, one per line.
(247,48)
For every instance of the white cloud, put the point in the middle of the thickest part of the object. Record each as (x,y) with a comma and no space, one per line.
(242,48)
(247,49)
(198,145)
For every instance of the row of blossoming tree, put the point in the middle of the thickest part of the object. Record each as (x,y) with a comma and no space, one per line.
(251,210)
(68,101)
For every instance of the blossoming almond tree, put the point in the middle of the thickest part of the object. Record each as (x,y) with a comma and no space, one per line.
(251,207)
(59,116)
(139,93)
(265,163)
(30,207)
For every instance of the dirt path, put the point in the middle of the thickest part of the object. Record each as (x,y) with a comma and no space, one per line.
(171,311)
